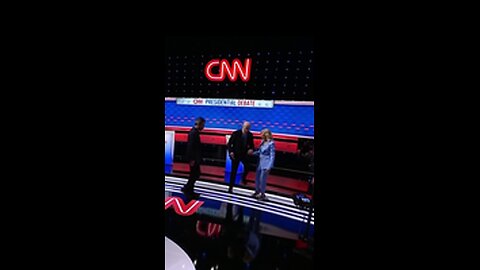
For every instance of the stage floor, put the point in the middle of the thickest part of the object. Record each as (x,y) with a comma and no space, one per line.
(278,184)
(234,231)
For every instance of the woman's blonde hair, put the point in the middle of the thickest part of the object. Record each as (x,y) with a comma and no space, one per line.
(267,133)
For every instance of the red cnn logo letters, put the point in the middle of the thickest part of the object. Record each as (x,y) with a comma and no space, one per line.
(231,71)
(180,207)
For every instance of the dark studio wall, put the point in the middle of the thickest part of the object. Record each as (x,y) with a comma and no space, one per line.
(282,67)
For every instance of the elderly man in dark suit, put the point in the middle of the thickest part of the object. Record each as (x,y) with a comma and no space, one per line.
(194,155)
(240,146)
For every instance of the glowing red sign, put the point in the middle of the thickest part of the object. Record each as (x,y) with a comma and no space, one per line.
(226,70)
(180,207)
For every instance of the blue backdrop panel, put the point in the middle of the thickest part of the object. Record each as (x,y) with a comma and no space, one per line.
(169,151)
(283,119)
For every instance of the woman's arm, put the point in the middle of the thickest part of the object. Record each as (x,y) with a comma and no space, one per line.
(272,156)
(257,152)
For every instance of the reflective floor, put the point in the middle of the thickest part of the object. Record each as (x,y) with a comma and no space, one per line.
(176,258)
(234,231)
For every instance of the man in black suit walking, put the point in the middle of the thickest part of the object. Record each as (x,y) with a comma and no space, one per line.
(194,155)
(240,146)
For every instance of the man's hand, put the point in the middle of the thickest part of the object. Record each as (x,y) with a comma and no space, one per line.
(250,152)
(232,155)
(192,163)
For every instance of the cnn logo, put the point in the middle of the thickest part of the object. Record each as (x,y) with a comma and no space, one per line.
(180,208)
(227,70)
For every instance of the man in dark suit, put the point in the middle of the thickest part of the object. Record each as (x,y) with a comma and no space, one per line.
(240,146)
(194,155)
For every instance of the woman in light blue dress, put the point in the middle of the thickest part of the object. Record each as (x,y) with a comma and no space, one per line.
(266,154)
